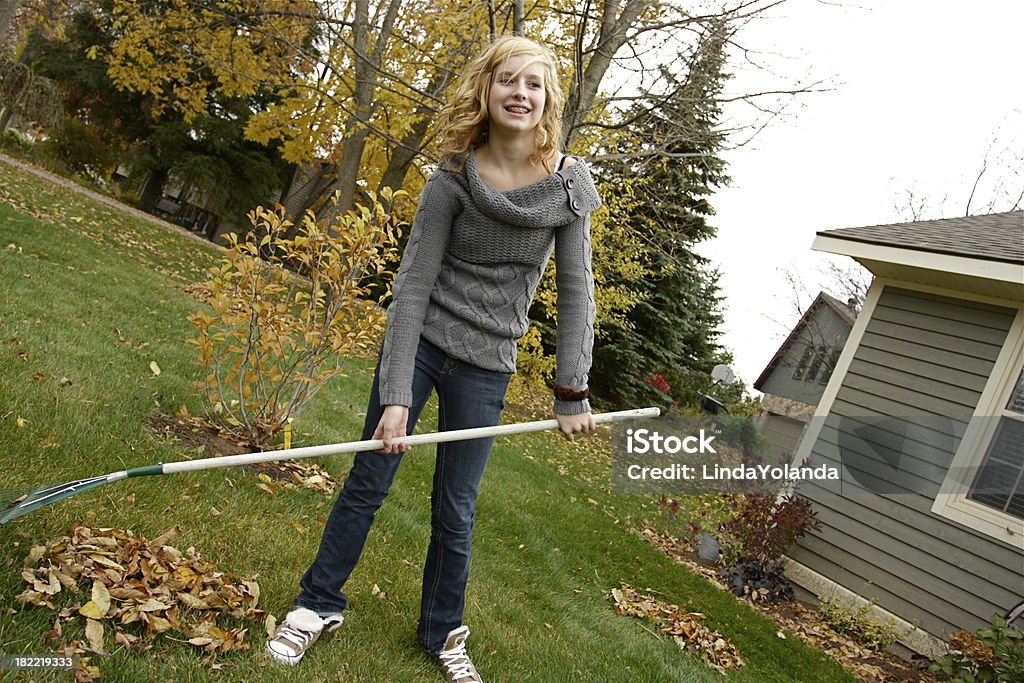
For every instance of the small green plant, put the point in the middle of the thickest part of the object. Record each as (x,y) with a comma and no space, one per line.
(861,624)
(995,653)
(287,312)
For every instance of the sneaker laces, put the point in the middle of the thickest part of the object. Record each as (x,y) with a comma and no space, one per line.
(294,634)
(457,661)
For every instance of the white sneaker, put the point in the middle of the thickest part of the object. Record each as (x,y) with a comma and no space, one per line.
(297,633)
(458,668)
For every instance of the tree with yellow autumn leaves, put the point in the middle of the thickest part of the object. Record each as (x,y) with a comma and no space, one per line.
(348,93)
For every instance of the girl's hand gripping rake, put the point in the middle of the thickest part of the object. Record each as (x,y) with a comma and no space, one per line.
(48,495)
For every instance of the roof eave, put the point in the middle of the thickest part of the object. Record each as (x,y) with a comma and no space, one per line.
(1001,271)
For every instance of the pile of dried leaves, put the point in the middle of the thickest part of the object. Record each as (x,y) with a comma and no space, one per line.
(685,628)
(126,588)
(293,474)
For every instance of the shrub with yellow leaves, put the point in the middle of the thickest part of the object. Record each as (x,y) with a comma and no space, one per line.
(289,308)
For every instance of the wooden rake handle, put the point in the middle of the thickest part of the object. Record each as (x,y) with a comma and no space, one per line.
(377,444)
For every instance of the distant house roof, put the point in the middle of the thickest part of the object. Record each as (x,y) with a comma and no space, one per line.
(992,237)
(845,312)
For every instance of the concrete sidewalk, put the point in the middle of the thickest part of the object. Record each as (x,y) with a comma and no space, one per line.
(131,210)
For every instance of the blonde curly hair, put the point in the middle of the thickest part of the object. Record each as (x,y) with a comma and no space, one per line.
(464,120)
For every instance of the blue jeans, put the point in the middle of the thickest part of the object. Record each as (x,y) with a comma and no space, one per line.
(468,396)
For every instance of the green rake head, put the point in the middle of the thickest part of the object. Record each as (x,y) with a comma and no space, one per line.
(17,502)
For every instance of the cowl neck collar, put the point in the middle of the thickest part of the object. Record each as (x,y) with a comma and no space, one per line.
(555,200)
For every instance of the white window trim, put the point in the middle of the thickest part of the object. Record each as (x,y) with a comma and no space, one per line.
(953,503)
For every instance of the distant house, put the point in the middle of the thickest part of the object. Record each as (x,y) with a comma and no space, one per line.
(795,379)
(924,414)
(179,204)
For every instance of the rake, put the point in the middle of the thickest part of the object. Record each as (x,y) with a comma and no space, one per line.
(21,503)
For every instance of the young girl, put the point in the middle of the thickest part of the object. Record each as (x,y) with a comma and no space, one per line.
(500,200)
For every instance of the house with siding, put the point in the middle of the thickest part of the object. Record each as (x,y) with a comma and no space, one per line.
(795,378)
(924,415)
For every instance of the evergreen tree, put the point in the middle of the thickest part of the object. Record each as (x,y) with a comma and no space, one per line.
(673,332)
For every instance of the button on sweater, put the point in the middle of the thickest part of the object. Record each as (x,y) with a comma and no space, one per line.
(472,265)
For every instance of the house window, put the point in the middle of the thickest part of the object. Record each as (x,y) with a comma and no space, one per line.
(829,366)
(805,362)
(816,363)
(1000,480)
(984,486)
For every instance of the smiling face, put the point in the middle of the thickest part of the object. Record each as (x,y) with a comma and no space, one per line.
(518,95)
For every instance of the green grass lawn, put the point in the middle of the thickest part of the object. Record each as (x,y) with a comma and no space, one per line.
(91,297)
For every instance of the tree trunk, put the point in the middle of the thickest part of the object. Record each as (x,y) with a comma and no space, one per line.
(403,156)
(308,184)
(492,19)
(367,69)
(612,35)
(153,189)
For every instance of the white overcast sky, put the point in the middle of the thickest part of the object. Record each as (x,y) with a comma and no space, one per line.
(920,92)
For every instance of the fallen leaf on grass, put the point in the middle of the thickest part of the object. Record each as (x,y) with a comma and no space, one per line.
(291,474)
(154,367)
(35,554)
(270,624)
(126,640)
(94,634)
(98,607)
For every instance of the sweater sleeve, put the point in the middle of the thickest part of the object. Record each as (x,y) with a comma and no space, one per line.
(574,280)
(421,263)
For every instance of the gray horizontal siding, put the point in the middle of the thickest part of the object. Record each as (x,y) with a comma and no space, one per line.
(923,463)
(982,315)
(783,434)
(782,431)
(947,358)
(921,355)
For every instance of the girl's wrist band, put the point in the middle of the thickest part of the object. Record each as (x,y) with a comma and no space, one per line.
(565,393)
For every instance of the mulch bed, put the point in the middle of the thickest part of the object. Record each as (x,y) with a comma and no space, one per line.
(199,437)
(802,621)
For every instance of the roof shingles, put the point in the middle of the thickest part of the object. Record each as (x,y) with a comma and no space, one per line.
(992,237)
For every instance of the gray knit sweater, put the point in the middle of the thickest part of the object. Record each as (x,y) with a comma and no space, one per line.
(471,267)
